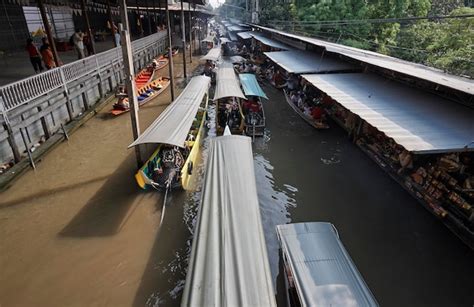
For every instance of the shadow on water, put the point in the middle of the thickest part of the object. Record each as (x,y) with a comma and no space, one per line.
(163,280)
(106,211)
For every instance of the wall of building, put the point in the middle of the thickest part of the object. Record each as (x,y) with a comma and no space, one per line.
(13,28)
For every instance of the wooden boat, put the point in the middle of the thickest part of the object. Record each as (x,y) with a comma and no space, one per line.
(178,131)
(145,95)
(253,108)
(255,121)
(234,118)
(162,62)
(174,52)
(144,76)
(314,123)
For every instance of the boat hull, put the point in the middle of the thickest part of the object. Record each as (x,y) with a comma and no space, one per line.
(306,118)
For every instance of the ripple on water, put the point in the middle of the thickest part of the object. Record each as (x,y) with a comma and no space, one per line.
(275,201)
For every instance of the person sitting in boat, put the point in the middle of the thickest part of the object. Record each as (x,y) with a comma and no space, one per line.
(155,63)
(122,102)
(279,80)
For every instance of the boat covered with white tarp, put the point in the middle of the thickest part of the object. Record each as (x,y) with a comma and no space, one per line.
(229,262)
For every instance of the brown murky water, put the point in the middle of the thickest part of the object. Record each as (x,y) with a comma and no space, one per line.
(79,232)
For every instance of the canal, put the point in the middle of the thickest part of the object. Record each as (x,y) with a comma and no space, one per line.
(79,232)
(406,256)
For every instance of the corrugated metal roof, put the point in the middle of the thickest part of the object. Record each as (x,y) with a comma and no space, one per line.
(172,126)
(229,262)
(236,28)
(298,61)
(245,35)
(421,122)
(227,84)
(269,42)
(323,271)
(387,62)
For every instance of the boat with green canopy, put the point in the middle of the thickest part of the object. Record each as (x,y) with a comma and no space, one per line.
(253,108)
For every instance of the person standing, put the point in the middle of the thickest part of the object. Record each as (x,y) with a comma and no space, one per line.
(34,54)
(47,54)
(78,39)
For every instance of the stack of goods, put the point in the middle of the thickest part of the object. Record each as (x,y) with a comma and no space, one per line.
(446,186)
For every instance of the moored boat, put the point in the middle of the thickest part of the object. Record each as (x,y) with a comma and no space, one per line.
(314,123)
(145,95)
(174,52)
(227,96)
(178,135)
(253,107)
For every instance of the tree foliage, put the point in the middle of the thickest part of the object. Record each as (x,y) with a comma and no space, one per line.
(446,44)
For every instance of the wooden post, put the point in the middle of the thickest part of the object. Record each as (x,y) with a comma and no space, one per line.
(170,51)
(111,21)
(44,17)
(88,25)
(183,34)
(129,77)
(149,17)
(190,34)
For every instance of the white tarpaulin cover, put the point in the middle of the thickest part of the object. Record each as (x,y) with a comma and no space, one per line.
(227,84)
(322,270)
(229,262)
(172,126)
(384,61)
(299,62)
(269,42)
(213,55)
(419,121)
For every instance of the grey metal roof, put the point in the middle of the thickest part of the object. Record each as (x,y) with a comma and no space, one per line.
(298,61)
(387,62)
(227,83)
(172,126)
(229,262)
(269,42)
(245,35)
(213,55)
(323,271)
(232,36)
(421,122)
(236,28)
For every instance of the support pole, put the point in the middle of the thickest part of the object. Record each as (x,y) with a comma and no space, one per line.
(154,16)
(88,25)
(129,72)
(44,17)
(190,34)
(148,17)
(111,21)
(183,34)
(139,19)
(170,51)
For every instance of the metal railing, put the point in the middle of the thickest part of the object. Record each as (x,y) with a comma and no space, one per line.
(21,92)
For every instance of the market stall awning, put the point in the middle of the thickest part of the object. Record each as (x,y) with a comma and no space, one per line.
(245,35)
(224,40)
(409,68)
(299,62)
(251,86)
(322,271)
(229,265)
(227,84)
(419,121)
(232,36)
(213,55)
(237,59)
(172,126)
(269,42)
(236,28)
(209,39)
